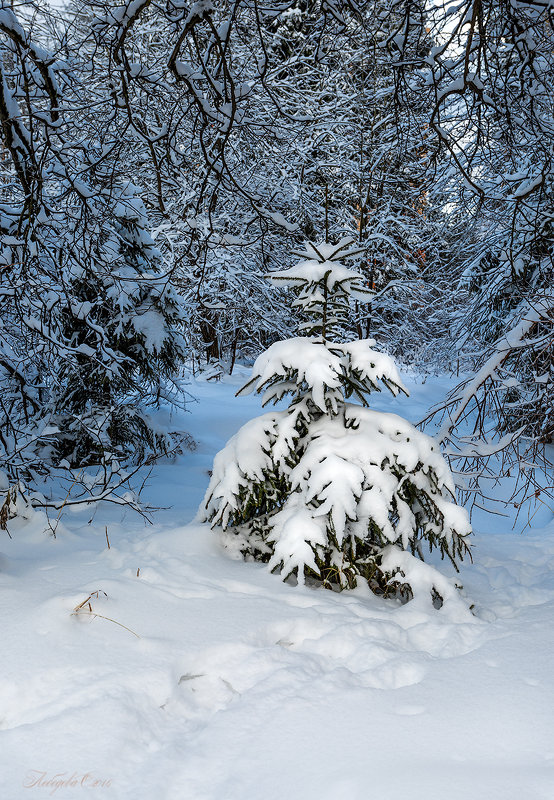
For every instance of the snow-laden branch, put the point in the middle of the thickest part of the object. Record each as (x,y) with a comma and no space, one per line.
(507,344)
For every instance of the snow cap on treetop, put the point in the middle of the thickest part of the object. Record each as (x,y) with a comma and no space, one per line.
(323,263)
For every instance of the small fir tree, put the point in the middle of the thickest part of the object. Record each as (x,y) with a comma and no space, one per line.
(330,489)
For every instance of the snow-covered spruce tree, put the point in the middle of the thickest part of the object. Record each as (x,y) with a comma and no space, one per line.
(329,489)
(123,321)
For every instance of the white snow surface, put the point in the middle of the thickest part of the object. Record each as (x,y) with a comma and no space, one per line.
(241,687)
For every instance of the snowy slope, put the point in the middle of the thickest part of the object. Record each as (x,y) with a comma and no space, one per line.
(243,688)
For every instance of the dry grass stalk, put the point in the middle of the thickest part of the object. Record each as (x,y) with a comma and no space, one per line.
(85,609)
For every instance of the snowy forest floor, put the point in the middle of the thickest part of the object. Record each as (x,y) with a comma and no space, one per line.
(241,687)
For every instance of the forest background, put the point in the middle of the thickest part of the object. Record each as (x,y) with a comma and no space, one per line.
(159,157)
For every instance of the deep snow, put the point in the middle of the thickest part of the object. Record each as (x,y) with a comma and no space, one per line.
(241,687)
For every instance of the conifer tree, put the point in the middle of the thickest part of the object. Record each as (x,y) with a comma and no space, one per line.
(330,489)
(91,324)
(122,321)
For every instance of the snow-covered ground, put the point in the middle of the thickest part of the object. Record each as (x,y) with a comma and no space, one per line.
(204,678)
